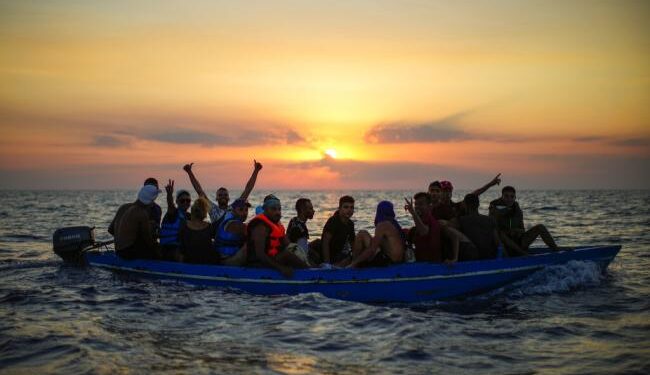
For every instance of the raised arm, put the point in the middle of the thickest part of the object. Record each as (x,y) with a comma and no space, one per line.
(195,182)
(495,181)
(421,228)
(257,167)
(171,207)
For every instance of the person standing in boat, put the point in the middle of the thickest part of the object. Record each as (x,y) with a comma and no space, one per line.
(219,208)
(134,237)
(338,235)
(510,224)
(230,239)
(386,247)
(175,217)
(267,240)
(480,229)
(195,236)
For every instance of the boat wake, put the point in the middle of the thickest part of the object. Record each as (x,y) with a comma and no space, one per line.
(556,279)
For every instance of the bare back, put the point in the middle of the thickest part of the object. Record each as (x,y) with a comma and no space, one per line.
(390,241)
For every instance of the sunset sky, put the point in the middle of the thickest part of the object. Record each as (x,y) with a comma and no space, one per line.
(104,94)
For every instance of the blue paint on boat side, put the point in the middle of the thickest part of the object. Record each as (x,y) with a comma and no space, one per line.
(409,282)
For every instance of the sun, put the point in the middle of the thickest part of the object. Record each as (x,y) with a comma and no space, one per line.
(331,153)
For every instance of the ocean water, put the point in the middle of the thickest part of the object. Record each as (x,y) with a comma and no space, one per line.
(58,318)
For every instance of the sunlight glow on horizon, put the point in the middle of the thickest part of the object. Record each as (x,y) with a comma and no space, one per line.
(536,88)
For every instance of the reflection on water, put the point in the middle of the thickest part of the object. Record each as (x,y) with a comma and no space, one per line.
(57,318)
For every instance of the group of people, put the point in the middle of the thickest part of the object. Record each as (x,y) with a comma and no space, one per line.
(443,231)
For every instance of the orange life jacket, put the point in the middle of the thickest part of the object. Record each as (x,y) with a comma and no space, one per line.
(275,237)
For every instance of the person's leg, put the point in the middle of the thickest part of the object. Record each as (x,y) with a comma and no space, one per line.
(538,230)
(361,243)
(467,251)
(511,246)
(315,251)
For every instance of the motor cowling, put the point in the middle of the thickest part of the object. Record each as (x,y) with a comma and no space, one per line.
(68,243)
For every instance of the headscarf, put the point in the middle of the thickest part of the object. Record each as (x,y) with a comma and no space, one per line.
(148,194)
(385,212)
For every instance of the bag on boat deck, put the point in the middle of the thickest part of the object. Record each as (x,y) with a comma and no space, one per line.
(294,249)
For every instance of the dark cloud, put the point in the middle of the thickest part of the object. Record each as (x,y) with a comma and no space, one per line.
(392,175)
(566,172)
(109,141)
(589,139)
(442,130)
(120,129)
(632,142)
(623,142)
(185,137)
(393,133)
(234,137)
(447,129)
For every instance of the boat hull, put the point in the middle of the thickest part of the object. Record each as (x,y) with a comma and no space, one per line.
(411,282)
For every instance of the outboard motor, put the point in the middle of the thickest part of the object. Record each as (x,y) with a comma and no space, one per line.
(70,242)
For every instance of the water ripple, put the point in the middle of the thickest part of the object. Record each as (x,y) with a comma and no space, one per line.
(571,318)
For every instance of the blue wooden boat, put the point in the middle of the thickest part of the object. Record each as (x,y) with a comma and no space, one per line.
(409,282)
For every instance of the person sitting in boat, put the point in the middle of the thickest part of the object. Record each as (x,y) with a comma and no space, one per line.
(297,230)
(134,237)
(195,236)
(386,247)
(480,229)
(441,209)
(219,208)
(338,236)
(427,231)
(510,224)
(230,239)
(154,212)
(447,210)
(175,217)
(267,240)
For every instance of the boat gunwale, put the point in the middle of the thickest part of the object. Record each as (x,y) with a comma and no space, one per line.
(354,280)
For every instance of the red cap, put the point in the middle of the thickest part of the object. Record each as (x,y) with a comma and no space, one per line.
(446,185)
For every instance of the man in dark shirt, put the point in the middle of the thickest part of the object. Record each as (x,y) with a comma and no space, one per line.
(338,234)
(510,224)
(480,229)
(297,231)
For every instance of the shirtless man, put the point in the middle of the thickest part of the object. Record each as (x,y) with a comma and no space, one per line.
(388,244)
